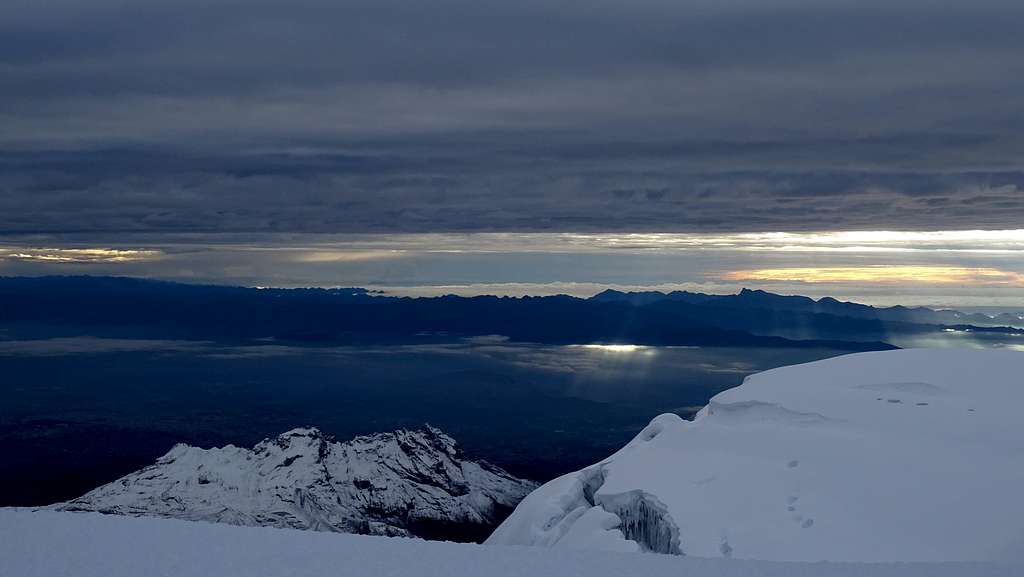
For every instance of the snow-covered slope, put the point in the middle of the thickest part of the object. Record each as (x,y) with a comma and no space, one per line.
(402,483)
(48,544)
(914,455)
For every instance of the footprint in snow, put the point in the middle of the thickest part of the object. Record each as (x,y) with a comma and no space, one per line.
(725,548)
(791,505)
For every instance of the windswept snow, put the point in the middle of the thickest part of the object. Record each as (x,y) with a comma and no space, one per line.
(52,544)
(914,455)
(402,483)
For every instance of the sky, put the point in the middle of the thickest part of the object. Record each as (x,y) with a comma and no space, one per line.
(497,146)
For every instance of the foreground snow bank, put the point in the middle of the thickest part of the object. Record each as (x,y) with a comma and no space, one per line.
(51,544)
(914,455)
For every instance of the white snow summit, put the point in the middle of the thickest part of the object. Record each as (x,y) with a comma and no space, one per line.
(405,483)
(910,455)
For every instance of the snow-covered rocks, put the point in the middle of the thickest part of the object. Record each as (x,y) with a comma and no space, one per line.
(914,455)
(406,483)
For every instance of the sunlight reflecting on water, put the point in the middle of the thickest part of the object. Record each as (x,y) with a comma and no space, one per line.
(618,348)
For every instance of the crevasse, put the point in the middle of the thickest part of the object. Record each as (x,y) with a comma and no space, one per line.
(644,519)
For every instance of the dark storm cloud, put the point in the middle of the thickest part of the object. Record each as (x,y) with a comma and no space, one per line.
(386,115)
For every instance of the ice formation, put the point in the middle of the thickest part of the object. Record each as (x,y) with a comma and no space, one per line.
(911,455)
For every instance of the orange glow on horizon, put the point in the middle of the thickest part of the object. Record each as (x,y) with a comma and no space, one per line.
(882,274)
(78,255)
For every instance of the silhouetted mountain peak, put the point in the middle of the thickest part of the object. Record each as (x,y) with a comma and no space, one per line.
(610,294)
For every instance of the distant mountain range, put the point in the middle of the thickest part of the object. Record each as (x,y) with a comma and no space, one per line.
(800,317)
(400,484)
(758,299)
(129,307)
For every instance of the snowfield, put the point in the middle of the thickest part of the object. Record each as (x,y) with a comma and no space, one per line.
(58,544)
(911,455)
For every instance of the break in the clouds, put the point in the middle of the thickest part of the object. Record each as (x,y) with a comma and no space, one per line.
(77,255)
(917,274)
(387,116)
(946,268)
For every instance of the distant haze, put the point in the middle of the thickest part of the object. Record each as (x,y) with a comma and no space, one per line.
(941,268)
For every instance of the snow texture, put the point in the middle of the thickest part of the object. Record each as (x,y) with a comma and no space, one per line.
(406,483)
(54,544)
(911,455)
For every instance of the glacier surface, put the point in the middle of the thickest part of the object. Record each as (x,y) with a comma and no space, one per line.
(51,544)
(910,455)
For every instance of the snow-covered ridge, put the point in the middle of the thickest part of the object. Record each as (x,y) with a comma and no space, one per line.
(912,455)
(405,483)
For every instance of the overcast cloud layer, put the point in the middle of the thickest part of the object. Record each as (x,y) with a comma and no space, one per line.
(459,115)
